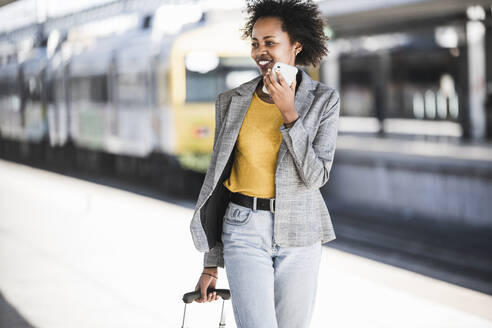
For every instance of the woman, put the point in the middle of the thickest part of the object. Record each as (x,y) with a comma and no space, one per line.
(260,213)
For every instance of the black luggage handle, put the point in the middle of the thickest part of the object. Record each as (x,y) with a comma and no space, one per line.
(191,296)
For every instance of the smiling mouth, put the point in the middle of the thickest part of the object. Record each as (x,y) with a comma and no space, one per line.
(264,63)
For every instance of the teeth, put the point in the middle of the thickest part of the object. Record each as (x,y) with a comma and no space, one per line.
(263,62)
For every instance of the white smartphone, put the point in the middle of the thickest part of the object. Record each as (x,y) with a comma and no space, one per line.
(288,72)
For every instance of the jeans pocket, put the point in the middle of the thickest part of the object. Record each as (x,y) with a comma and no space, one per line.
(237,214)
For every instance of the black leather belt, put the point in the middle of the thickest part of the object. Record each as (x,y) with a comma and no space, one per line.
(266,204)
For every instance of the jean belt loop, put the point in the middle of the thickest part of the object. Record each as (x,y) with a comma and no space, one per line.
(272,208)
(254,203)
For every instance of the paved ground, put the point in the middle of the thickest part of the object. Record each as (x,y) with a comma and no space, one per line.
(77,254)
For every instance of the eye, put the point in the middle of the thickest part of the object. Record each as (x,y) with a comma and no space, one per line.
(254,44)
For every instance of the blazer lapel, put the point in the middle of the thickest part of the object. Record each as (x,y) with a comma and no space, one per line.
(237,111)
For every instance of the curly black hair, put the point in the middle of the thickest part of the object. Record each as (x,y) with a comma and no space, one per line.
(302,20)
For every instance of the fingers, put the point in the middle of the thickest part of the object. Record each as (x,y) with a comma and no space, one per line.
(203,286)
(204,293)
(212,296)
(269,81)
(281,80)
(272,84)
(273,81)
(197,287)
(293,85)
(266,81)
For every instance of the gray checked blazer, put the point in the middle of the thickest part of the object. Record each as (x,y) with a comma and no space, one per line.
(304,162)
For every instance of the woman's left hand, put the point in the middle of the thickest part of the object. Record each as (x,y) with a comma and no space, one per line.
(282,94)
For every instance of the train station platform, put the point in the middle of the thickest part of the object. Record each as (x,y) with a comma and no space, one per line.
(469,154)
(78,254)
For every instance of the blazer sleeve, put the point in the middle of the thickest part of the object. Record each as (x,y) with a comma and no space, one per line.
(314,161)
(215,257)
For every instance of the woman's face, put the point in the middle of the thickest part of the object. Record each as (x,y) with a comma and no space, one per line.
(269,44)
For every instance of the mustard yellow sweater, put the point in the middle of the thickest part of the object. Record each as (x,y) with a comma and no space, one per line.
(255,155)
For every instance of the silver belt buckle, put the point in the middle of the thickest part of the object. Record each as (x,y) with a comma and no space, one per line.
(272,208)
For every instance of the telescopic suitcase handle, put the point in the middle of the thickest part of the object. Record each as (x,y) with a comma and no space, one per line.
(191,296)
(225,294)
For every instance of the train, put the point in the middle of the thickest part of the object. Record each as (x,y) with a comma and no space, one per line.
(119,100)
(130,96)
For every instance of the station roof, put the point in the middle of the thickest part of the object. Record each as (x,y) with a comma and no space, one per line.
(351,17)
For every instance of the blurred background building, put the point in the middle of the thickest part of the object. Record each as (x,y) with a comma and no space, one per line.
(125,90)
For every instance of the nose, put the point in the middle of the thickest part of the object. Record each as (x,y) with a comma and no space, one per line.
(261,50)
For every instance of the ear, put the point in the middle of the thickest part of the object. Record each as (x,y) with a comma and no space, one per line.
(298,47)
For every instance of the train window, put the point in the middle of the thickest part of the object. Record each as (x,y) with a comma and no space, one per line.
(132,89)
(99,88)
(50,90)
(59,90)
(10,96)
(89,88)
(4,98)
(229,73)
(32,89)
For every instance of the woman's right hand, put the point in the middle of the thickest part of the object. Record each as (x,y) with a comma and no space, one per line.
(206,282)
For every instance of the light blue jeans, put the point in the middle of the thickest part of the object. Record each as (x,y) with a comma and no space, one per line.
(271,286)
